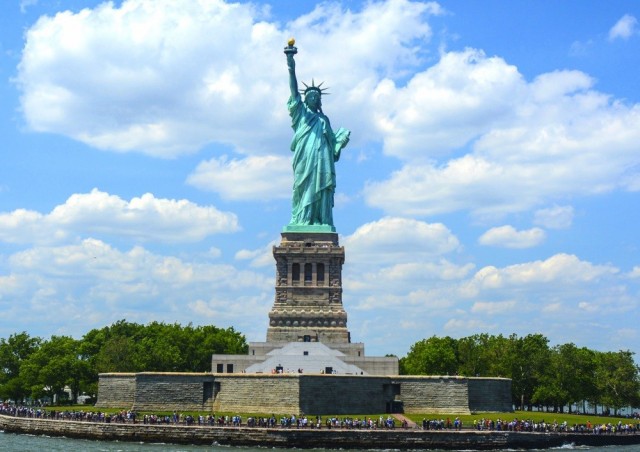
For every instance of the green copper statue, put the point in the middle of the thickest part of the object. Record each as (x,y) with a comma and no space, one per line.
(315,149)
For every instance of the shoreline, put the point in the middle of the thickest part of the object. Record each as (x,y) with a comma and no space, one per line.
(309,438)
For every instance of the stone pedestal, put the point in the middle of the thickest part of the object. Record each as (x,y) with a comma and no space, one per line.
(308,300)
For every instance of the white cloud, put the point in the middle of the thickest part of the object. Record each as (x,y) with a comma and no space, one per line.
(395,240)
(467,327)
(508,237)
(635,273)
(259,177)
(556,217)
(552,308)
(165,77)
(441,270)
(91,284)
(492,307)
(580,48)
(563,269)
(447,105)
(624,28)
(146,218)
(589,307)
(521,144)
(261,257)
(24,4)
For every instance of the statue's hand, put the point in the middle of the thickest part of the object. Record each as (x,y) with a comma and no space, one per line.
(342,137)
(291,63)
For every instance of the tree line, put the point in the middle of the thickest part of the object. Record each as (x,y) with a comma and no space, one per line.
(34,368)
(542,376)
(546,377)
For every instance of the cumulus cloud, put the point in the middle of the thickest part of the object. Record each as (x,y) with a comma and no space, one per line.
(466,327)
(165,77)
(91,284)
(176,75)
(492,307)
(25,4)
(447,105)
(556,217)
(257,177)
(394,239)
(560,268)
(500,300)
(624,28)
(438,269)
(399,263)
(145,218)
(261,257)
(508,237)
(522,143)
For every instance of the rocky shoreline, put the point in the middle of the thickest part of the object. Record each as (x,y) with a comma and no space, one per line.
(309,438)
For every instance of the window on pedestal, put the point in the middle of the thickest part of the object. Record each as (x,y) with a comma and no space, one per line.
(295,272)
(320,271)
(308,272)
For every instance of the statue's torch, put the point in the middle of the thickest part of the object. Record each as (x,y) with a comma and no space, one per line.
(291,49)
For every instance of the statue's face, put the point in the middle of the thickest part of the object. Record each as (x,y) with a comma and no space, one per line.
(312,100)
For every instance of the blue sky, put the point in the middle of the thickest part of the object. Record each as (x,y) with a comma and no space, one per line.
(490,185)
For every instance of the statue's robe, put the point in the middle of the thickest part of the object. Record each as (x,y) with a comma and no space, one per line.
(315,151)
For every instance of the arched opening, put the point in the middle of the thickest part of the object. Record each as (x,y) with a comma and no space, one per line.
(295,272)
(320,271)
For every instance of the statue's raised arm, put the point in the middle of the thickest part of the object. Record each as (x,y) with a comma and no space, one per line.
(290,51)
(315,149)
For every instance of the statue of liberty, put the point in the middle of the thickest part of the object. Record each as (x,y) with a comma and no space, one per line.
(315,149)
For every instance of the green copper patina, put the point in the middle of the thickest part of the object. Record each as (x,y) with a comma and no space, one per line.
(315,149)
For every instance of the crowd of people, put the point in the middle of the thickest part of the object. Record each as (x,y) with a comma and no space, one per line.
(442,424)
(381,422)
(526,425)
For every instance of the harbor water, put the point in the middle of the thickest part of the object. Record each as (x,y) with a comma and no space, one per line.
(10,442)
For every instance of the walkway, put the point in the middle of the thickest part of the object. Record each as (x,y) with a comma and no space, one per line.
(402,419)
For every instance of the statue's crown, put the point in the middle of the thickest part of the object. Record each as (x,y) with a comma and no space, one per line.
(314,87)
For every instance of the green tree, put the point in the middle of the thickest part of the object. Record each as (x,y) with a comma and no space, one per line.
(568,379)
(112,348)
(482,355)
(433,356)
(525,359)
(13,352)
(52,367)
(617,379)
(130,347)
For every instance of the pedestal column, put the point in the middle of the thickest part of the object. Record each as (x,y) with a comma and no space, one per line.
(306,310)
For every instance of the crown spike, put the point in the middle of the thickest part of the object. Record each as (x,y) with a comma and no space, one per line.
(313,87)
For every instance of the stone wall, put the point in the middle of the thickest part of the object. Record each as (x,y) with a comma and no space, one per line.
(303,393)
(490,394)
(116,390)
(374,365)
(412,439)
(333,394)
(173,391)
(433,394)
(257,393)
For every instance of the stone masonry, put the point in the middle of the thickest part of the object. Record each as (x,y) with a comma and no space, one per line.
(303,393)
(308,299)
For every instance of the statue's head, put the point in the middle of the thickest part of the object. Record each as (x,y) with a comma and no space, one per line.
(313,99)
(313,95)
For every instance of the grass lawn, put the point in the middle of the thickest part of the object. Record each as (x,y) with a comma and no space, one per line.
(467,419)
(536,416)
